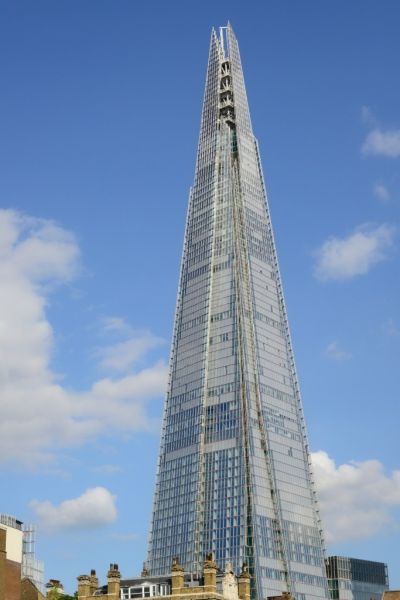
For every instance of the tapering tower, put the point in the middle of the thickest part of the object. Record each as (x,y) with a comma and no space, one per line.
(234,467)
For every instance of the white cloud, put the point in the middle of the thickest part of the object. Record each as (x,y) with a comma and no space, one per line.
(94,508)
(340,259)
(39,415)
(108,469)
(381,192)
(383,143)
(357,499)
(115,324)
(125,536)
(368,116)
(121,404)
(335,352)
(123,355)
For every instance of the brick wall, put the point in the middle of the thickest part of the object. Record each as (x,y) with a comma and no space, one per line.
(29,590)
(13,580)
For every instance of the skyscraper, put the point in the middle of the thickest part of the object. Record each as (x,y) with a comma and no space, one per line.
(234,466)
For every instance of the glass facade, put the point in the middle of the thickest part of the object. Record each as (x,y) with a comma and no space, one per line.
(356,579)
(234,468)
(31,566)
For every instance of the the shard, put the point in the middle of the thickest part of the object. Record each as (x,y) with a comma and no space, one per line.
(234,472)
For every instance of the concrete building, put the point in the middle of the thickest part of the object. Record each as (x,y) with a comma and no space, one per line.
(10,557)
(21,574)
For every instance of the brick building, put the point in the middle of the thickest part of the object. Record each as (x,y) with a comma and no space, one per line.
(10,558)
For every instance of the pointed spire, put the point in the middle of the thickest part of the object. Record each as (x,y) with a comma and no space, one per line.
(231,368)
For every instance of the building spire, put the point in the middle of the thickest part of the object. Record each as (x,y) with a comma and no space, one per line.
(234,472)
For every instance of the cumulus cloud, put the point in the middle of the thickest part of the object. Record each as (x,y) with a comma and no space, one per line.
(93,509)
(39,415)
(382,143)
(123,355)
(335,352)
(129,349)
(381,192)
(115,324)
(339,259)
(357,499)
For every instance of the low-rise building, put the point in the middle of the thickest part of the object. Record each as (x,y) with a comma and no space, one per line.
(214,584)
(30,591)
(10,557)
(356,579)
(391,595)
(54,588)
(21,559)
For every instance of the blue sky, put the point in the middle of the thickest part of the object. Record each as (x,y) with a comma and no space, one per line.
(99,117)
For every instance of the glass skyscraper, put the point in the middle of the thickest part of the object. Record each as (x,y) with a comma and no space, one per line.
(234,466)
(356,579)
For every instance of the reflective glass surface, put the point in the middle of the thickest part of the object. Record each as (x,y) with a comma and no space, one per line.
(234,467)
